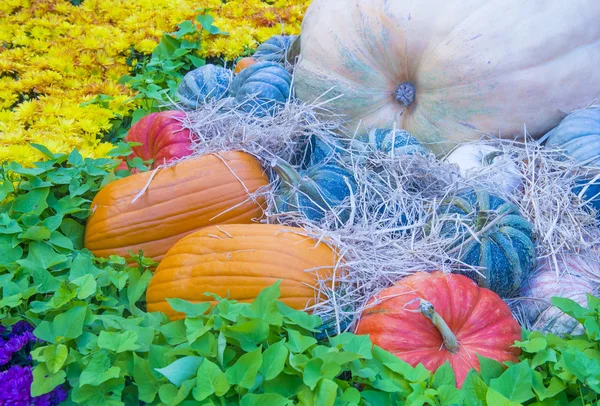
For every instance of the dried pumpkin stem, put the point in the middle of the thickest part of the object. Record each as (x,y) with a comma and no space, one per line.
(405,93)
(285,171)
(450,340)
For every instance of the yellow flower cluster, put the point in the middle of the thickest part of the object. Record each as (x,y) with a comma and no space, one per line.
(55,56)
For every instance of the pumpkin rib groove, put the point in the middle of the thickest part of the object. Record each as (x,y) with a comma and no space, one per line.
(157,220)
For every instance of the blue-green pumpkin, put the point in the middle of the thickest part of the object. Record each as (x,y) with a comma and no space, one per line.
(315,191)
(389,142)
(578,135)
(319,151)
(209,82)
(505,250)
(275,48)
(261,88)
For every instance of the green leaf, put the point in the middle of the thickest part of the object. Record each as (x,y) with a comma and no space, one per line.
(6,188)
(185,28)
(86,286)
(171,395)
(145,381)
(55,357)
(74,231)
(8,253)
(265,306)
(190,309)
(210,380)
(118,342)
(534,345)
(474,390)
(516,383)
(299,318)
(138,283)
(495,398)
(490,369)
(554,387)
(67,325)
(249,334)
(59,240)
(98,371)
(243,372)
(207,24)
(174,332)
(326,393)
(41,255)
(32,202)
(298,343)
(360,345)
(444,375)
(36,233)
(45,381)
(106,394)
(181,370)
(570,307)
(312,373)
(274,359)
(586,369)
(270,399)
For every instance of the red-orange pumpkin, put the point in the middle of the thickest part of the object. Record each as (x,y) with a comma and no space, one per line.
(431,318)
(162,136)
(243,64)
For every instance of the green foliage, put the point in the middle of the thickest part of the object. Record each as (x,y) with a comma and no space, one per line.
(156,79)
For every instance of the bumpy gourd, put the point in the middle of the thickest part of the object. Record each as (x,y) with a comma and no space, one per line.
(448,72)
(389,142)
(152,211)
(505,250)
(238,261)
(261,88)
(314,192)
(275,48)
(205,83)
(320,150)
(578,135)
(433,318)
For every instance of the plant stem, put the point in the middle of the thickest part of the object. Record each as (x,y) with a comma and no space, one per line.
(450,340)
(285,171)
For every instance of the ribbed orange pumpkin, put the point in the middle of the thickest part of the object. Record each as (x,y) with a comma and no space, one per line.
(178,201)
(243,64)
(238,261)
(465,320)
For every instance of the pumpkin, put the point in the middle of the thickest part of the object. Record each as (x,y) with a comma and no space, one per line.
(261,87)
(243,63)
(208,82)
(162,136)
(505,250)
(389,142)
(320,150)
(493,169)
(275,49)
(151,212)
(578,135)
(315,191)
(449,71)
(431,318)
(238,261)
(573,277)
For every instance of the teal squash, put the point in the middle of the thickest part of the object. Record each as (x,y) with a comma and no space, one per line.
(261,88)
(389,142)
(209,82)
(505,250)
(320,150)
(275,48)
(315,191)
(578,135)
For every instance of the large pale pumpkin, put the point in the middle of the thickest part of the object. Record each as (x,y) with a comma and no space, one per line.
(178,201)
(446,71)
(433,318)
(238,261)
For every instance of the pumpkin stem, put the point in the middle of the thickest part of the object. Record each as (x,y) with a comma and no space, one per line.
(450,340)
(405,93)
(285,171)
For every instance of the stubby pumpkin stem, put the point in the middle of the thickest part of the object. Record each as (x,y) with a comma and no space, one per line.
(285,171)
(405,93)
(450,340)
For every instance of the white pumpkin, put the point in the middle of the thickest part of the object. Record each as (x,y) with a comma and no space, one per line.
(575,276)
(448,71)
(487,165)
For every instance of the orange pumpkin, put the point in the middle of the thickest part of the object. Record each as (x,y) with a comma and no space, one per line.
(177,201)
(243,64)
(238,261)
(433,318)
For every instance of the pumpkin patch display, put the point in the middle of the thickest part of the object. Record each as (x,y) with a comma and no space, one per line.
(205,83)
(503,248)
(152,211)
(431,318)
(163,138)
(449,71)
(238,261)
(573,276)
(315,191)
(261,87)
